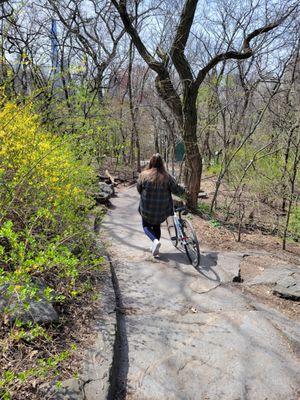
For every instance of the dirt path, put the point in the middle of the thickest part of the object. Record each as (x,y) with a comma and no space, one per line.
(192,334)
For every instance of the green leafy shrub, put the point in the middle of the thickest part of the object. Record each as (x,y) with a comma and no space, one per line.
(204,208)
(46,251)
(215,168)
(215,223)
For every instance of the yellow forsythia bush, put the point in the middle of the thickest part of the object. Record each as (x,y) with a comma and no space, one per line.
(43,206)
(40,174)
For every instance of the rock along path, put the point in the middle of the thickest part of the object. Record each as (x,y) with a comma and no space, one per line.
(190,334)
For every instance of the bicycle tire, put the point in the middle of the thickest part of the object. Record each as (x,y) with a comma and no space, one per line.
(173,233)
(192,247)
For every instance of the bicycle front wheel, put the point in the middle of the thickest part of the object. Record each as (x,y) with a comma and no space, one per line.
(192,245)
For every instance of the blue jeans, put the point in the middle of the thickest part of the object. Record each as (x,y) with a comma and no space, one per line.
(152,231)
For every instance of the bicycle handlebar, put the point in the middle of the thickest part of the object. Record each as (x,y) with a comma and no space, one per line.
(180,208)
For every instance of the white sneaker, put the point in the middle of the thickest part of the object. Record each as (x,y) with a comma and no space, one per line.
(155,247)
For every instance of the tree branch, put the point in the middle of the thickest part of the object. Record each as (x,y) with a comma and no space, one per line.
(177,49)
(245,52)
(163,81)
(127,21)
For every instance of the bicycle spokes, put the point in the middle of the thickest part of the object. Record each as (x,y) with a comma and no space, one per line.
(182,233)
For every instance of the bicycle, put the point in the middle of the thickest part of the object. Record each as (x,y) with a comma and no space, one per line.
(183,233)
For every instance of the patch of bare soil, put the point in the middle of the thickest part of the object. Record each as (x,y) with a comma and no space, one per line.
(261,217)
(212,234)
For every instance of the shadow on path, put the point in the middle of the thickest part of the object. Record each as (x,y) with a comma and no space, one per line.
(207,261)
(120,365)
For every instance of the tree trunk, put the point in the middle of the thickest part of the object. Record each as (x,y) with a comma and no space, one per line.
(206,146)
(292,193)
(98,81)
(156,144)
(193,164)
(135,152)
(138,153)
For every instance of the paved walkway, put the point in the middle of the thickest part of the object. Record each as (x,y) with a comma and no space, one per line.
(193,334)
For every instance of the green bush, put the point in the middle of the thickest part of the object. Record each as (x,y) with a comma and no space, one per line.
(215,168)
(204,208)
(45,248)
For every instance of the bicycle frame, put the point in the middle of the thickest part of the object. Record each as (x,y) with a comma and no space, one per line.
(177,223)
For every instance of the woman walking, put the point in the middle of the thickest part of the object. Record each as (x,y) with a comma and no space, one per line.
(155,186)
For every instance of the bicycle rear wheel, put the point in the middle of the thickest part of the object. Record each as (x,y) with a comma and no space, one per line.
(192,245)
(172,231)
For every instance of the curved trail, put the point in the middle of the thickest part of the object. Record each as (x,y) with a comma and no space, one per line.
(192,334)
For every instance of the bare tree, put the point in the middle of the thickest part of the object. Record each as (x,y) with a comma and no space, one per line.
(89,29)
(184,106)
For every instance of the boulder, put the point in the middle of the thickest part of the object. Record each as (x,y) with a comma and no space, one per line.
(285,280)
(104,193)
(38,310)
(288,287)
(202,195)
(70,389)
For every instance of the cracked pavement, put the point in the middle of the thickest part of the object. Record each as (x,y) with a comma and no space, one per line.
(194,334)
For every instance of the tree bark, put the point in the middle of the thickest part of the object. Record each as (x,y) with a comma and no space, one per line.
(193,164)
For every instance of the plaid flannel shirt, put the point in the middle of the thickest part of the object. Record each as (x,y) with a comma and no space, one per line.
(156,202)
